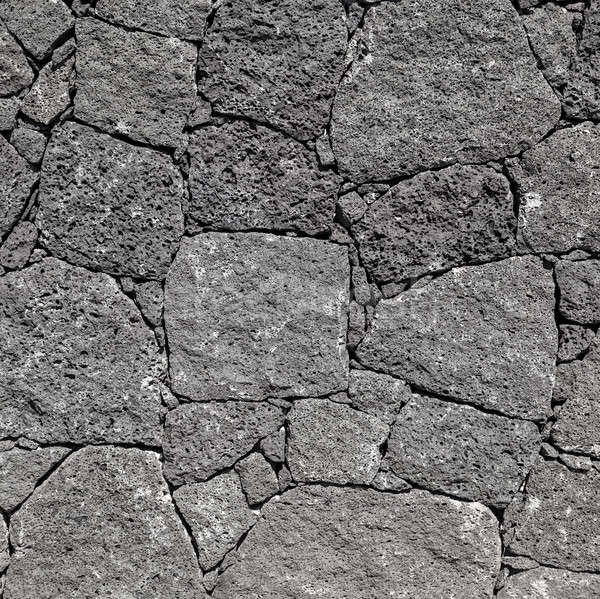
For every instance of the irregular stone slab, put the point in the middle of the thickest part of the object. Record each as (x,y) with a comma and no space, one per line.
(9,107)
(255,315)
(258,479)
(15,72)
(275,64)
(273,446)
(330,442)
(460,451)
(332,542)
(218,515)
(560,523)
(103,524)
(137,84)
(558,190)
(30,143)
(204,438)
(443,85)
(76,362)
(481,334)
(437,220)
(579,284)
(17,248)
(574,341)
(246,176)
(108,205)
(149,297)
(548,583)
(21,470)
(174,18)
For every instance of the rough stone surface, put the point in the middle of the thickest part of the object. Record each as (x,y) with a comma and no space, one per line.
(254,315)
(108,205)
(9,107)
(437,220)
(450,82)
(15,72)
(76,362)
(149,297)
(103,524)
(246,176)
(333,443)
(461,451)
(482,334)
(332,542)
(579,284)
(548,583)
(218,515)
(136,84)
(258,478)
(204,438)
(17,248)
(574,341)
(4,548)
(30,143)
(273,63)
(273,446)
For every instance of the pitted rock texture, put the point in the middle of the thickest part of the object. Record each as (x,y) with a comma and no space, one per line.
(19,244)
(15,72)
(258,478)
(102,524)
(549,583)
(482,334)
(255,315)
(579,284)
(574,341)
(109,205)
(431,84)
(332,542)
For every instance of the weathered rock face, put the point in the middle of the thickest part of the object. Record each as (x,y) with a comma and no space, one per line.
(574,341)
(579,284)
(483,334)
(108,205)
(251,316)
(204,438)
(437,220)
(461,451)
(274,63)
(15,72)
(449,82)
(136,84)
(102,524)
(17,248)
(332,542)
(558,186)
(4,549)
(30,143)
(250,177)
(258,478)
(548,583)
(76,362)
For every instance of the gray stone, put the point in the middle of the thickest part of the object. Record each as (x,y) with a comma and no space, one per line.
(64,52)
(557,189)
(361,291)
(218,515)
(324,151)
(284,476)
(377,394)
(548,583)
(202,439)
(258,479)
(109,205)
(273,63)
(579,284)
(255,315)
(579,463)
(560,521)
(386,480)
(519,563)
(481,334)
(443,85)
(4,548)
(149,297)
(174,18)
(437,220)
(333,443)
(137,84)
(359,543)
(350,208)
(104,525)
(21,470)
(548,451)
(460,451)
(210,580)
(574,341)
(356,325)
(15,72)
(273,446)
(9,107)
(19,244)
(38,24)
(30,143)
(245,176)
(76,362)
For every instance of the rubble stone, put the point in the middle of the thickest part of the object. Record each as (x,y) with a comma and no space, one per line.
(579,284)
(15,72)
(258,478)
(574,341)
(19,244)
(273,446)
(548,583)
(30,143)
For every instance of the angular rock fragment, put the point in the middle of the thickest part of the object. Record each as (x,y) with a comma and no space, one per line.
(218,515)
(274,63)
(4,548)
(481,334)
(76,362)
(437,220)
(254,315)
(17,248)
(102,525)
(549,583)
(450,82)
(273,446)
(15,72)
(579,284)
(204,438)
(9,107)
(333,443)
(359,543)
(109,205)
(30,143)
(136,84)
(557,189)
(21,470)
(174,18)
(574,341)
(258,478)
(246,176)
(150,298)
(356,325)
(460,451)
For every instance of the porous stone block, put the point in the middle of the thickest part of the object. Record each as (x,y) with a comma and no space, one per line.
(579,285)
(19,244)
(550,583)
(573,342)
(258,478)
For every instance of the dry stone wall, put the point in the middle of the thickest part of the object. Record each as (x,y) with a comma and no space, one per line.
(299,299)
